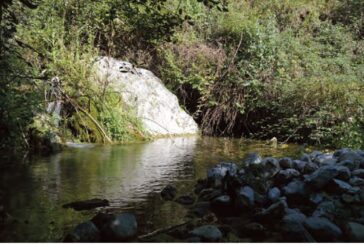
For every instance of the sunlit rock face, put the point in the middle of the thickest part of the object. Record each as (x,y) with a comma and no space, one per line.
(140,89)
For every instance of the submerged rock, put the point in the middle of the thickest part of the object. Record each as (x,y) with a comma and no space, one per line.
(207,233)
(141,90)
(121,227)
(185,200)
(85,232)
(169,193)
(87,204)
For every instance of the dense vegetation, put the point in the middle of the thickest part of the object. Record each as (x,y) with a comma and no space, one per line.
(292,69)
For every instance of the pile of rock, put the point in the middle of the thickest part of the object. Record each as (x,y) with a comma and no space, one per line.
(318,197)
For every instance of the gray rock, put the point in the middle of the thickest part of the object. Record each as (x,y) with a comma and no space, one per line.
(156,107)
(245,197)
(355,232)
(207,233)
(218,172)
(169,193)
(270,162)
(295,191)
(314,154)
(122,227)
(293,221)
(350,198)
(285,163)
(252,159)
(274,194)
(284,176)
(356,181)
(358,173)
(322,158)
(321,177)
(200,209)
(322,229)
(85,232)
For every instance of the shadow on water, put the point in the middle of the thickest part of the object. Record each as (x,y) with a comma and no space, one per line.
(129,176)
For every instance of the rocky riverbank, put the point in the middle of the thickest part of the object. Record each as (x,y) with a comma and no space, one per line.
(317,198)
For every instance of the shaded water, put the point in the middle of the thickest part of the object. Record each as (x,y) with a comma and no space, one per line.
(129,176)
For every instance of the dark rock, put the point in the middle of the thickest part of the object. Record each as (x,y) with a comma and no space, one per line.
(316,198)
(270,162)
(344,173)
(270,166)
(341,151)
(350,198)
(185,200)
(355,232)
(292,225)
(85,232)
(306,158)
(274,194)
(200,185)
(254,230)
(87,204)
(299,165)
(295,191)
(310,168)
(121,227)
(285,163)
(351,156)
(325,209)
(169,193)
(322,229)
(358,173)
(200,209)
(222,204)
(207,233)
(193,239)
(284,176)
(321,177)
(209,194)
(349,164)
(101,220)
(252,159)
(273,213)
(216,174)
(356,181)
(338,187)
(245,198)
(314,154)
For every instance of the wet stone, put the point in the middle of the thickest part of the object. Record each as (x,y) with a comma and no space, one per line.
(169,193)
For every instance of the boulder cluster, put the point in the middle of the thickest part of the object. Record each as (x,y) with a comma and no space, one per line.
(317,198)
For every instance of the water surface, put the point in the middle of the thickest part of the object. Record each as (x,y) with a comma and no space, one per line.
(129,176)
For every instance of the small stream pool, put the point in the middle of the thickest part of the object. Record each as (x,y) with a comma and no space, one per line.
(129,176)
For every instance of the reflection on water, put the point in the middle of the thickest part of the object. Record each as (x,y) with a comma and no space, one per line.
(129,176)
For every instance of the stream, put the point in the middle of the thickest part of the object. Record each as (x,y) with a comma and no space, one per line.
(129,176)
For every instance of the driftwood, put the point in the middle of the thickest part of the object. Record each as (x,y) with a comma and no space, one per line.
(163,230)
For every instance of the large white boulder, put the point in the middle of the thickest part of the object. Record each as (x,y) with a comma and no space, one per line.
(141,90)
